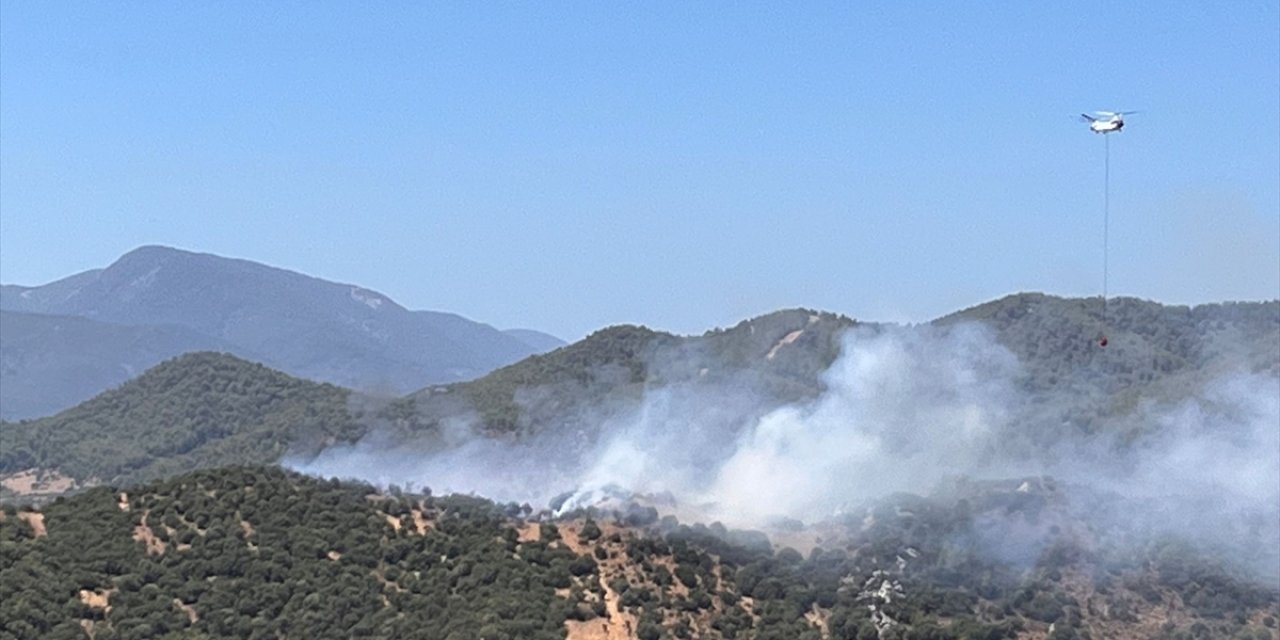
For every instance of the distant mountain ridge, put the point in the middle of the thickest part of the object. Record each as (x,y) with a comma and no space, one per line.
(538,340)
(197,410)
(1158,353)
(305,326)
(49,363)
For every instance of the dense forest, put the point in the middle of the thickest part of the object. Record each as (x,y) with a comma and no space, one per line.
(1157,352)
(257,552)
(197,410)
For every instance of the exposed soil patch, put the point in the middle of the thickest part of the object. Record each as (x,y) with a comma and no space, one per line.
(35,520)
(818,617)
(420,522)
(97,598)
(529,532)
(616,624)
(192,616)
(786,340)
(143,533)
(571,534)
(598,629)
(37,482)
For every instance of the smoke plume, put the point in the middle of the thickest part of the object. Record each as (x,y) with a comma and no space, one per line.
(905,410)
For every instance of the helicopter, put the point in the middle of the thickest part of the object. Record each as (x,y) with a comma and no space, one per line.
(1105,121)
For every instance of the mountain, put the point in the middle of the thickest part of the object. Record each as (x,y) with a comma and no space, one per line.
(188,411)
(207,409)
(1057,334)
(254,552)
(305,326)
(1156,352)
(770,359)
(539,341)
(49,363)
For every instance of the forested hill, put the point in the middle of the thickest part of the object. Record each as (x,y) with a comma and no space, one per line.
(197,410)
(1156,353)
(257,552)
(211,410)
(1054,335)
(773,358)
(208,409)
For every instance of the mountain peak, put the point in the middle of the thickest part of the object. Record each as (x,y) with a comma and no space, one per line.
(303,325)
(157,253)
(155,249)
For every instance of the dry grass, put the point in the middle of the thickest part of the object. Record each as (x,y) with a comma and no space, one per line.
(34,482)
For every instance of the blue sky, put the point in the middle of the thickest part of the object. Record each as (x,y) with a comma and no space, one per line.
(565,166)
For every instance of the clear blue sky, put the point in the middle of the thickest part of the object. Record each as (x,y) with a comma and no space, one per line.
(683,165)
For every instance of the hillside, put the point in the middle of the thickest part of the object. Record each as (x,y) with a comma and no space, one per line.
(771,359)
(197,410)
(203,410)
(1055,336)
(49,363)
(251,552)
(308,327)
(209,410)
(539,341)
(1156,353)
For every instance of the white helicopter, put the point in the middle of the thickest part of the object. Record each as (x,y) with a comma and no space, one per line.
(1105,121)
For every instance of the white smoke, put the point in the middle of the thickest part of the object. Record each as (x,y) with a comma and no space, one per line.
(907,409)
(902,411)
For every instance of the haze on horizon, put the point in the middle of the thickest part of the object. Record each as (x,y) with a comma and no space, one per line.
(565,168)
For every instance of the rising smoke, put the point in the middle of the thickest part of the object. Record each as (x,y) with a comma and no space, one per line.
(905,410)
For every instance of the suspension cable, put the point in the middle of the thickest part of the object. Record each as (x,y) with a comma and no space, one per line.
(1106,222)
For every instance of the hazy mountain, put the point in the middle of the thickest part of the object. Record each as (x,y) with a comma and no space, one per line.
(539,341)
(49,363)
(302,325)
